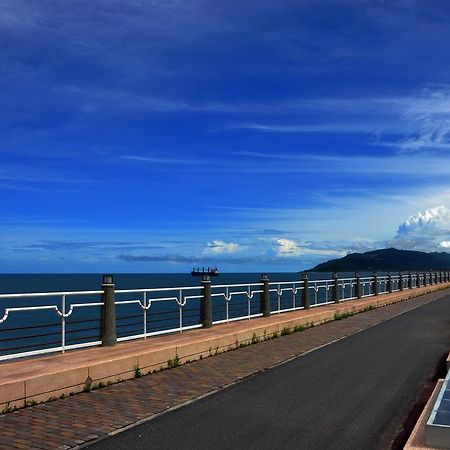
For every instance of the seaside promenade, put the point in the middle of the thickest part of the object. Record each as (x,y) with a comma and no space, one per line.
(399,355)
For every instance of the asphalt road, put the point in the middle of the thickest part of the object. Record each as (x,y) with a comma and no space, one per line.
(352,394)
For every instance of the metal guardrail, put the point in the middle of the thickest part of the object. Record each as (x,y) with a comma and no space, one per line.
(109,315)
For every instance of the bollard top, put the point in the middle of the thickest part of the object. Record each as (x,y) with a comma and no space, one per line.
(304,275)
(335,275)
(264,277)
(108,279)
(357,275)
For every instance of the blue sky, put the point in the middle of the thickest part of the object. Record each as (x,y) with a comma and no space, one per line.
(157,135)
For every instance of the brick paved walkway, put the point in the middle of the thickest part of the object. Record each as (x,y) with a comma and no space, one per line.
(73,421)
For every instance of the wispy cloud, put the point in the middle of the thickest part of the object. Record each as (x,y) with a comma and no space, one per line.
(254,162)
(337,127)
(429,113)
(157,159)
(60,245)
(237,263)
(202,260)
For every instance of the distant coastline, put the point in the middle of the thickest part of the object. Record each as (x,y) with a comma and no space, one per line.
(388,260)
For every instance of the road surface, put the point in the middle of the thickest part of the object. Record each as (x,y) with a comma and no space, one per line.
(352,394)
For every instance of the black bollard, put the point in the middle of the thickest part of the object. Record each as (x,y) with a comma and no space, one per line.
(305,291)
(336,288)
(358,293)
(265,295)
(206,306)
(108,313)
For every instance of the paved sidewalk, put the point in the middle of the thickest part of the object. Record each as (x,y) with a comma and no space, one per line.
(85,417)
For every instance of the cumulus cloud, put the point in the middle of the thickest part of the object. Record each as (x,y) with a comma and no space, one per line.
(433,221)
(427,230)
(219,247)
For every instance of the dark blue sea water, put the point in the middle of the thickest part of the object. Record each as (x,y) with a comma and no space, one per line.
(25,331)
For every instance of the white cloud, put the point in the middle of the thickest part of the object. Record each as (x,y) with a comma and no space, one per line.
(290,248)
(422,118)
(433,221)
(219,247)
(429,113)
(426,231)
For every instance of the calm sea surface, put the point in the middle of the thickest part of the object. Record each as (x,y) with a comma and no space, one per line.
(33,330)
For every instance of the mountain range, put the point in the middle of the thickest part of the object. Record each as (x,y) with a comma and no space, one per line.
(388,260)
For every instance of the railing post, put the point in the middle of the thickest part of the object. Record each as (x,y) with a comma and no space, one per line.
(265,295)
(206,306)
(358,286)
(375,284)
(400,281)
(336,288)
(389,283)
(410,280)
(425,281)
(418,279)
(305,290)
(108,312)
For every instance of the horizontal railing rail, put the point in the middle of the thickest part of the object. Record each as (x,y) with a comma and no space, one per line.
(45,322)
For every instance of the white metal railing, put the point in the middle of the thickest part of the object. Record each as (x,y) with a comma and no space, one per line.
(350,283)
(326,285)
(246,290)
(180,300)
(284,296)
(67,308)
(279,288)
